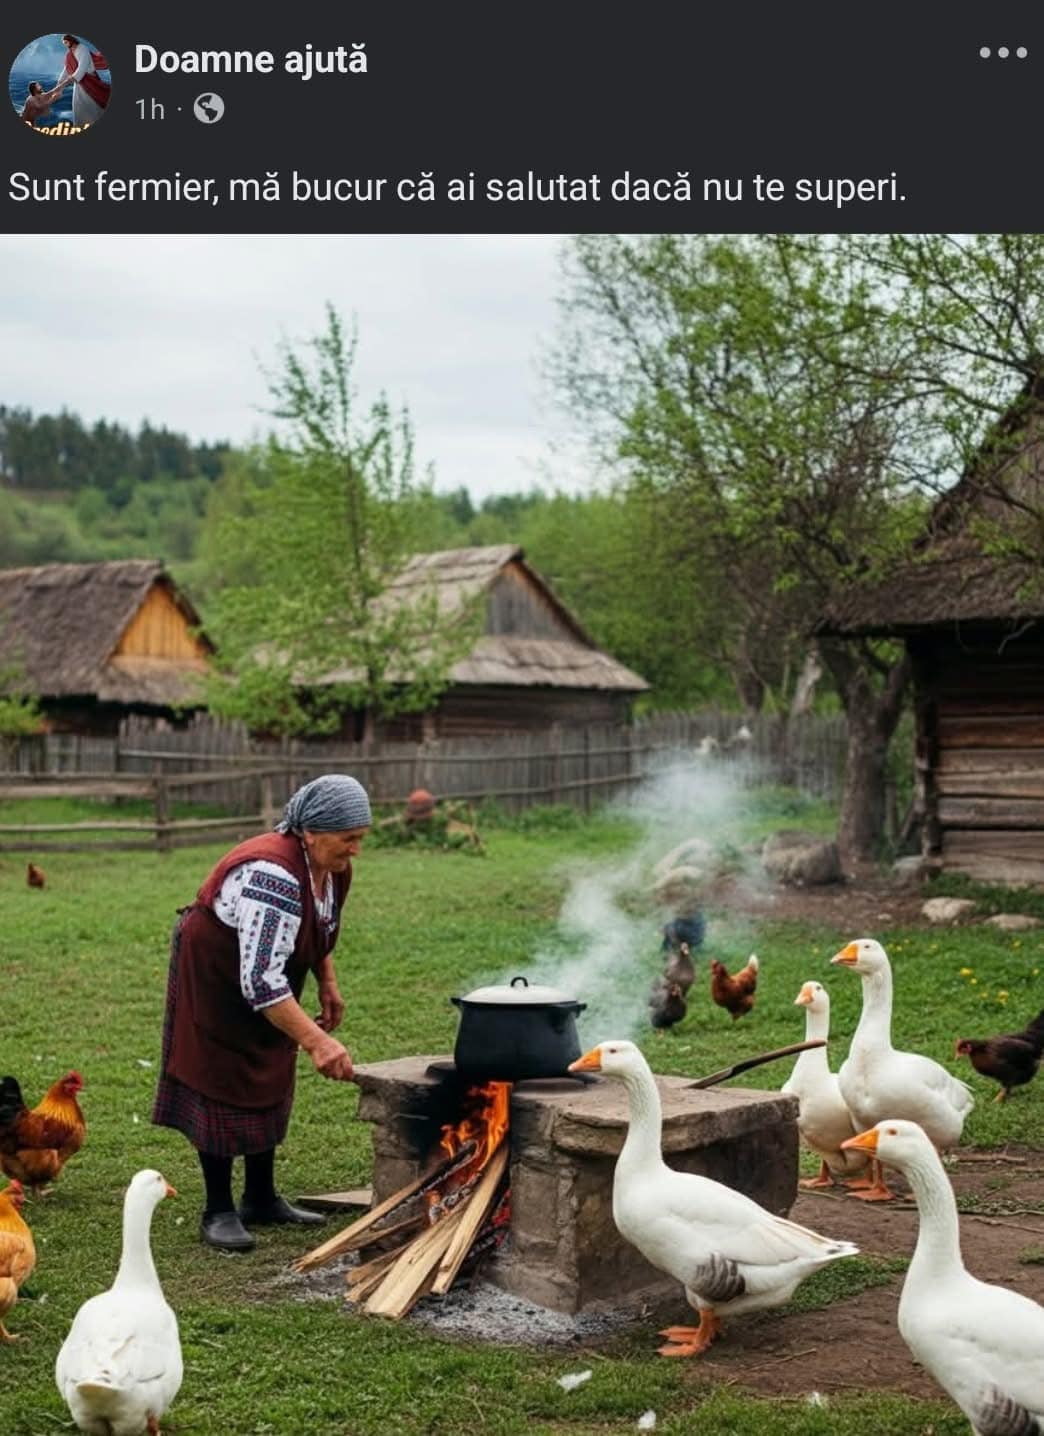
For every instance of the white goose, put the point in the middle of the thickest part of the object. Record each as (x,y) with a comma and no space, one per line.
(729,1253)
(120,1366)
(983,1344)
(823,1119)
(878,1081)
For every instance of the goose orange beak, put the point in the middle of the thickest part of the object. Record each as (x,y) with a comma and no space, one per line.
(847,957)
(589,1062)
(804,997)
(170,1192)
(863,1142)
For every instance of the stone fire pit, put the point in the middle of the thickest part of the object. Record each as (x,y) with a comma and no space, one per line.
(564,1251)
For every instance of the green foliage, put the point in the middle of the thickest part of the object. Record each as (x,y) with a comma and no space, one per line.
(59,452)
(322,524)
(19,710)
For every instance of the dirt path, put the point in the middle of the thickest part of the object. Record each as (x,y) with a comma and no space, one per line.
(854,1345)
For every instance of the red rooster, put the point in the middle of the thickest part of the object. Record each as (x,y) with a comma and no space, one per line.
(35,877)
(35,1145)
(736,993)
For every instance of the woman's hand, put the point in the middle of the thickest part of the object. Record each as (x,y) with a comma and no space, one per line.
(331,1004)
(332,1059)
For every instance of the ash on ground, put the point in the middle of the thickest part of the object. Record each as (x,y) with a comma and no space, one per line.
(473,1310)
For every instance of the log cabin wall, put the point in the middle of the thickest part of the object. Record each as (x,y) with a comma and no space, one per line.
(980,751)
(466,712)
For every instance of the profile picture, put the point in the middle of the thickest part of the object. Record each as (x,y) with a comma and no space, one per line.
(60,85)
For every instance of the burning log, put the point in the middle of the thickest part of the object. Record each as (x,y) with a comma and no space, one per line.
(471,1222)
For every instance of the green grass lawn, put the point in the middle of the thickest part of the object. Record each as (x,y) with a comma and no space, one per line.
(82,973)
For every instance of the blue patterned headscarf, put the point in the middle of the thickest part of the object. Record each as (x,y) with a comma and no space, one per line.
(330,804)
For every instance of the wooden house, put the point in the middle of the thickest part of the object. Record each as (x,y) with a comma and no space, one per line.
(96,641)
(970,609)
(533,665)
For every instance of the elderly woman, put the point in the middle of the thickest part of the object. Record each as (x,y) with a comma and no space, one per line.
(265,917)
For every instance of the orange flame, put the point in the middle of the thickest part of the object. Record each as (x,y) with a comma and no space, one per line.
(485,1122)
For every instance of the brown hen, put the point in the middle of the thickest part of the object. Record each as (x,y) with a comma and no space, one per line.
(736,993)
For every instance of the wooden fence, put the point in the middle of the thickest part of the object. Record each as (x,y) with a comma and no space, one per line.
(219,765)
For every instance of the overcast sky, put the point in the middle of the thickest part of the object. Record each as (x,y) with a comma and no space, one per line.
(172,329)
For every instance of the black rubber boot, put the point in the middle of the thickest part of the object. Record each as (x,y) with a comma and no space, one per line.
(225,1231)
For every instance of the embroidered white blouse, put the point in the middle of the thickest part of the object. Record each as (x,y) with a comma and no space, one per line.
(262,901)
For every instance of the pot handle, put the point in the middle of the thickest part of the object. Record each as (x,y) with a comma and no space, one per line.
(523,980)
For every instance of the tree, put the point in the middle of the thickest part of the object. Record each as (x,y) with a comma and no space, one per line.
(19,710)
(762,387)
(320,527)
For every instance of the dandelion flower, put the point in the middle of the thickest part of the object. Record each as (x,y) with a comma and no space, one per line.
(966,971)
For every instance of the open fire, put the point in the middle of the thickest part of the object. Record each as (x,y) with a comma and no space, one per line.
(419,1238)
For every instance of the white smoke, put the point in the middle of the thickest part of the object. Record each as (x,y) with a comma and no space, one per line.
(606,949)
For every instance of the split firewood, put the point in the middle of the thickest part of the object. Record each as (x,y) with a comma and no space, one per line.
(412,1275)
(378,1265)
(367,1277)
(475,1214)
(383,1234)
(352,1237)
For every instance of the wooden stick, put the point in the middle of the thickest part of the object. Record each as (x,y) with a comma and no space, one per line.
(737,1067)
(364,1279)
(410,1276)
(477,1209)
(351,1237)
(380,1263)
(412,1224)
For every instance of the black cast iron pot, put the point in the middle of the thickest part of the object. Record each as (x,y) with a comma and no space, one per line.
(507,1034)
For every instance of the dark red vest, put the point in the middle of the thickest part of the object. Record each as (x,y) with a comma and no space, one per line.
(220,1046)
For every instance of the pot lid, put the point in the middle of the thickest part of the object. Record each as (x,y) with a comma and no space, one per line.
(518,993)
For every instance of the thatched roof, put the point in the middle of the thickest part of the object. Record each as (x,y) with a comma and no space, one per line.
(954,583)
(60,626)
(568,659)
(950,579)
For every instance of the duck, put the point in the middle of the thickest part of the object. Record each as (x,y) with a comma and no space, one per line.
(680,970)
(879,1081)
(729,1253)
(984,1344)
(823,1119)
(120,1366)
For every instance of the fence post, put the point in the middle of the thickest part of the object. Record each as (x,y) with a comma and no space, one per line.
(162,814)
(587,768)
(556,763)
(267,804)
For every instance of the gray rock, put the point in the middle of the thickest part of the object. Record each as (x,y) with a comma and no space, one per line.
(947,910)
(801,859)
(910,872)
(1013,922)
(681,888)
(692,853)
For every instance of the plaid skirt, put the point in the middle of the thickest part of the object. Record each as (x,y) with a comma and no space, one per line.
(214,1127)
